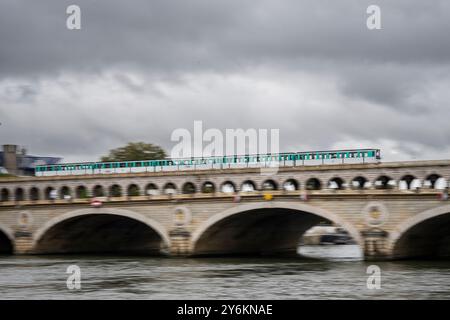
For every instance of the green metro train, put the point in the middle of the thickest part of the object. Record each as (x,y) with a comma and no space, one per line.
(289,159)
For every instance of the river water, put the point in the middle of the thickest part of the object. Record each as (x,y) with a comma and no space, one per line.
(334,272)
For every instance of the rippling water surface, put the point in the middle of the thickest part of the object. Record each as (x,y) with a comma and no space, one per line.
(339,273)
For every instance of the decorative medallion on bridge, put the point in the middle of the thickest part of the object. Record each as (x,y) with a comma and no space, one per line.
(181,216)
(375,214)
(24,221)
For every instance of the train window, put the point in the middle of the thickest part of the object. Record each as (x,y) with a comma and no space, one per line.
(122,165)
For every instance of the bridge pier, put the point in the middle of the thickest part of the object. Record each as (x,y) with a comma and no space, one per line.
(375,244)
(180,242)
(23,242)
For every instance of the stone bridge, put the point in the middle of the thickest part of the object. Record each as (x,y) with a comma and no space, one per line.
(392,210)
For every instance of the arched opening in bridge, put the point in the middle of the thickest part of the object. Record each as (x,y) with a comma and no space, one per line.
(359,182)
(248,186)
(100,234)
(269,185)
(34,194)
(49,193)
(133,190)
(81,192)
(270,231)
(384,182)
(290,185)
(428,238)
(151,189)
(409,182)
(228,187)
(169,188)
(208,187)
(115,191)
(19,194)
(336,183)
(65,193)
(435,181)
(188,188)
(313,184)
(6,246)
(98,191)
(4,195)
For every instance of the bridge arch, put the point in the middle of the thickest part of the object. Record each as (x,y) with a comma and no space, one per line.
(336,183)
(228,187)
(34,194)
(115,190)
(189,188)
(169,188)
(291,185)
(6,240)
(435,181)
(248,186)
(75,231)
(81,192)
(64,192)
(133,190)
(408,182)
(384,182)
(262,228)
(98,191)
(4,194)
(151,189)
(313,183)
(359,182)
(426,234)
(208,187)
(19,194)
(269,184)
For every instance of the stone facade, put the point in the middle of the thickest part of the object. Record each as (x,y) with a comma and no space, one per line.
(386,223)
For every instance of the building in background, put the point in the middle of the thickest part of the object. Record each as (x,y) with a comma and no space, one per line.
(15,161)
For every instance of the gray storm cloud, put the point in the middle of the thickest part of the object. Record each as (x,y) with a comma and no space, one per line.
(139,69)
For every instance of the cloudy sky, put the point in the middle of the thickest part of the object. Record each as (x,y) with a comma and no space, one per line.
(139,69)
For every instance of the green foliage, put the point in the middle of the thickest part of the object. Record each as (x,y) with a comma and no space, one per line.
(135,151)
